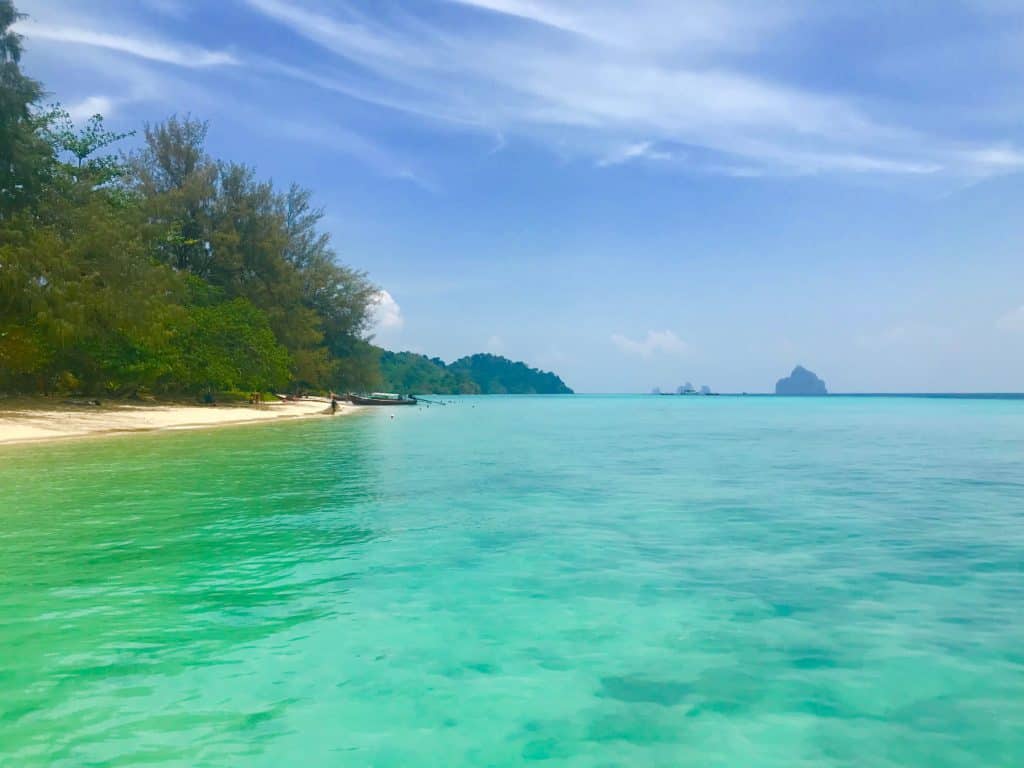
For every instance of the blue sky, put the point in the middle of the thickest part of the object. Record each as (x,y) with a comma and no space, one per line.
(631,194)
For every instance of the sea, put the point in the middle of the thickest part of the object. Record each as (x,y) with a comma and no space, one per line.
(587,581)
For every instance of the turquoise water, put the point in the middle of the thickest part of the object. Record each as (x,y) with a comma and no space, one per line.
(582,581)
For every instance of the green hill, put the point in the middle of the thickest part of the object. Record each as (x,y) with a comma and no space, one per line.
(496,375)
(476,374)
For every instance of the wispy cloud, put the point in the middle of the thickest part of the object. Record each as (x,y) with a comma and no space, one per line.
(146,48)
(623,84)
(339,139)
(118,85)
(998,157)
(653,25)
(689,87)
(369,92)
(530,10)
(349,33)
(643,150)
(1012,321)
(654,343)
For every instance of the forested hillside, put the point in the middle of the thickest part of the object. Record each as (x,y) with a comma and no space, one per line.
(477,374)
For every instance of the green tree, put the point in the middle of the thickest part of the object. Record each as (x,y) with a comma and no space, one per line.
(165,270)
(24,155)
(177,180)
(79,282)
(224,225)
(82,147)
(342,298)
(229,346)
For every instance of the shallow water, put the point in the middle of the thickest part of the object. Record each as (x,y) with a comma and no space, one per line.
(590,581)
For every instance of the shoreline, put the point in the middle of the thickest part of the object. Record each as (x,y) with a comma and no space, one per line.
(31,421)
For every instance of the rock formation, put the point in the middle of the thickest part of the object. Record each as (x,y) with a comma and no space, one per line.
(800,382)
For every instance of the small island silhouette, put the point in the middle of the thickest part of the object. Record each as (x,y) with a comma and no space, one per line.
(800,382)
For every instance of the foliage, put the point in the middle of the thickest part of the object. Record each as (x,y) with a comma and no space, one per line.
(83,145)
(410,372)
(497,375)
(164,270)
(477,374)
(24,156)
(228,346)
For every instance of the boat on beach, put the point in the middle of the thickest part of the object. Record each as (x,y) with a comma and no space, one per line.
(383,398)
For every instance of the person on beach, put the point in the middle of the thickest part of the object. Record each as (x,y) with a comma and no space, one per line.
(334,403)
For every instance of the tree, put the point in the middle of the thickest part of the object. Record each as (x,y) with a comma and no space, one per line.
(84,145)
(177,179)
(229,346)
(225,226)
(342,298)
(78,281)
(163,270)
(24,155)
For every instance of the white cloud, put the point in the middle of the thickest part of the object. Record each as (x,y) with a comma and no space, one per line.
(351,36)
(1012,321)
(387,315)
(623,83)
(996,158)
(537,12)
(350,143)
(602,80)
(654,25)
(643,150)
(154,50)
(494,344)
(128,81)
(655,343)
(92,105)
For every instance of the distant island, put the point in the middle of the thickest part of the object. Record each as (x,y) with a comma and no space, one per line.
(800,382)
(480,374)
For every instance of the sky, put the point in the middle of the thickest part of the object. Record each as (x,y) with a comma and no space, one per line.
(630,194)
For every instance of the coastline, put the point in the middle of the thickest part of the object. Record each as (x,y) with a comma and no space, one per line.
(33,421)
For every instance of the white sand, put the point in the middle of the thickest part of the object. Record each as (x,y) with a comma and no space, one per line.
(40,420)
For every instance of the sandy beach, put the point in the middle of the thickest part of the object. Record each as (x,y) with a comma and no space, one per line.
(28,421)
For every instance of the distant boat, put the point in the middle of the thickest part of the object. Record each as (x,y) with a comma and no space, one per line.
(685,390)
(383,398)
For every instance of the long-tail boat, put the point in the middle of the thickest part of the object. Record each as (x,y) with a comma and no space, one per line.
(383,398)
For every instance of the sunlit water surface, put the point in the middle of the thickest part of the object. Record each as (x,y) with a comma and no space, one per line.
(585,581)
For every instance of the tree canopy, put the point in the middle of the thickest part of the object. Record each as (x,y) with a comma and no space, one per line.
(473,375)
(163,269)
